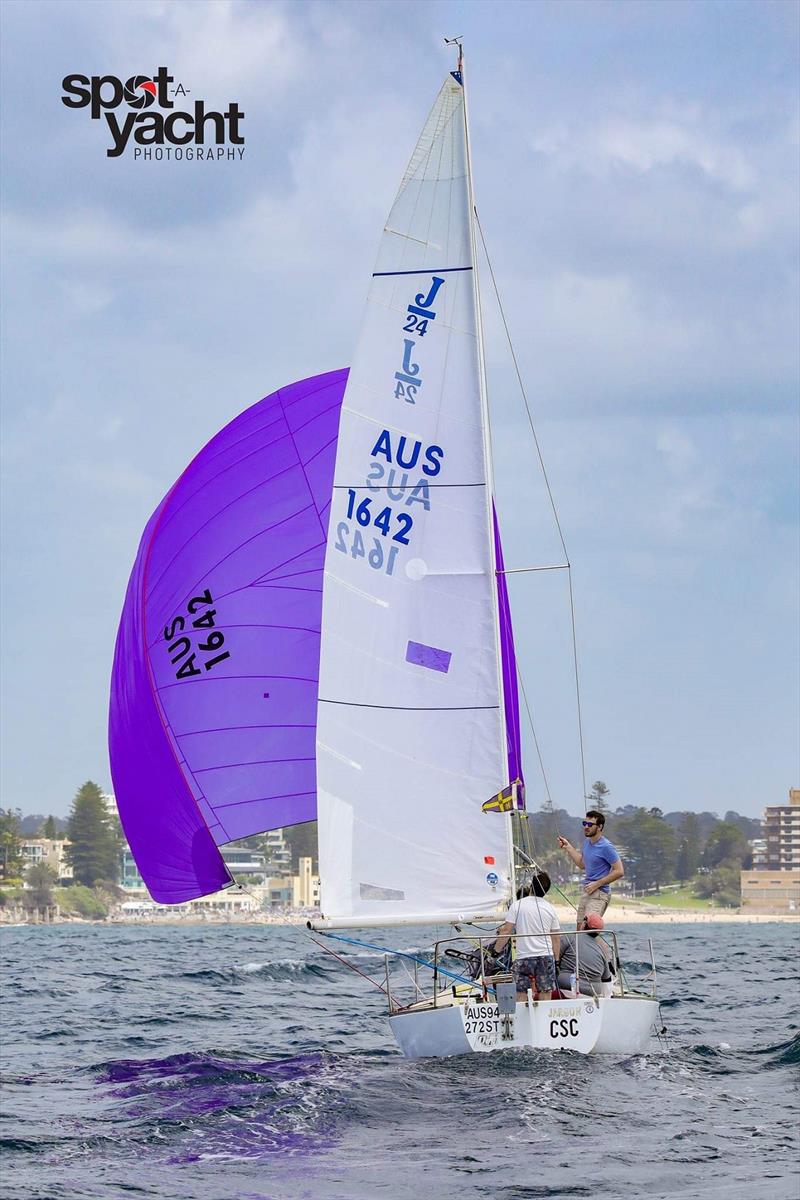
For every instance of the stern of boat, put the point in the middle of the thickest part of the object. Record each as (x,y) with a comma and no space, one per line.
(587,1025)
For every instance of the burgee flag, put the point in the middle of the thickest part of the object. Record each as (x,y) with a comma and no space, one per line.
(511,799)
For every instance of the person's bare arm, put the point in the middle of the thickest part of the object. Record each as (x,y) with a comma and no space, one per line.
(503,934)
(616,872)
(556,940)
(574,854)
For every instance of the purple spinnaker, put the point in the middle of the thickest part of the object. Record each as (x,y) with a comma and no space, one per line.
(212,722)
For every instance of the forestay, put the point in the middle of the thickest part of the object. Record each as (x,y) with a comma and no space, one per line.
(410,724)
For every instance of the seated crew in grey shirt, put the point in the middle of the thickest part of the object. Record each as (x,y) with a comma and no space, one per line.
(593,957)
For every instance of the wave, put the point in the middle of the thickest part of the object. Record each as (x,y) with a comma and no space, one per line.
(726,1058)
(782,1053)
(26,1145)
(280,969)
(196,1106)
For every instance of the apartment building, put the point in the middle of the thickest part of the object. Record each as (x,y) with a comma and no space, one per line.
(278,852)
(773,886)
(47,852)
(782,834)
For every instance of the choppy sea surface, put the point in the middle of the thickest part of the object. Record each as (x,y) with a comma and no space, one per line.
(221,1062)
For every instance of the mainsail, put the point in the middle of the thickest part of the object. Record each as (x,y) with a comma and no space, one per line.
(411,735)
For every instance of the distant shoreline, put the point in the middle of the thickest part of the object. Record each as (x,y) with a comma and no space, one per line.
(626,914)
(617,914)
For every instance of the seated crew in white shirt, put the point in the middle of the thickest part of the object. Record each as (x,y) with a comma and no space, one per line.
(538,940)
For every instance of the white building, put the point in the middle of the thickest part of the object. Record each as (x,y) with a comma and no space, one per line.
(47,852)
(305,886)
(278,853)
(240,860)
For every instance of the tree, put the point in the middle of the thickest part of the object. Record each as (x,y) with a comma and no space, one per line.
(598,796)
(650,847)
(688,848)
(751,827)
(39,892)
(723,884)
(545,827)
(49,829)
(726,843)
(94,849)
(302,841)
(10,847)
(84,901)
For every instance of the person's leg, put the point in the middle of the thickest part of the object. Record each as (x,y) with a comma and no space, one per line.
(597,902)
(544,976)
(564,981)
(523,977)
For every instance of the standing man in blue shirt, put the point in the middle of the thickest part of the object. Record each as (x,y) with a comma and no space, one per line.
(600,863)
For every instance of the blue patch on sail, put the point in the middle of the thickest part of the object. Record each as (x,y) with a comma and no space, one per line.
(457,76)
(428,656)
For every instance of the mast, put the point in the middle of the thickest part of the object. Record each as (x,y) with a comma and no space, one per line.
(487,451)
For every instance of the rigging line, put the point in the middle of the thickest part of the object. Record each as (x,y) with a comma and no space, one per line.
(521,387)
(533,733)
(395,954)
(417,988)
(549,493)
(522,570)
(363,974)
(538,867)
(577,688)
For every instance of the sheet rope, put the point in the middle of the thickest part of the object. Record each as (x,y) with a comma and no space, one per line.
(396,954)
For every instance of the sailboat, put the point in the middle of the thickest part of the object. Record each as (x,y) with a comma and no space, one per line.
(318,624)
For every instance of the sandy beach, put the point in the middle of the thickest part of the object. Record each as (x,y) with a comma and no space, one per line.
(640,914)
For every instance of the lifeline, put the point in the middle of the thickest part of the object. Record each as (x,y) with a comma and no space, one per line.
(213,153)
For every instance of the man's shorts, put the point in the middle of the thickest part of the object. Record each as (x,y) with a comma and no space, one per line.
(537,973)
(597,902)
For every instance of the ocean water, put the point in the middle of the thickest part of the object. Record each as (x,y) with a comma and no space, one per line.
(242,1062)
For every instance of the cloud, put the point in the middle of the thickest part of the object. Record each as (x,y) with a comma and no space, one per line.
(218,48)
(635,176)
(111,478)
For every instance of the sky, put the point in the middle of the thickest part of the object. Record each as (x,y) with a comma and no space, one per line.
(636,172)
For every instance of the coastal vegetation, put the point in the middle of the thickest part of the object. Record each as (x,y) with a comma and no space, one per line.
(94,841)
(10,842)
(679,859)
(699,851)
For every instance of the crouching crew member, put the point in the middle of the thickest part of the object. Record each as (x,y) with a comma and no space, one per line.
(591,964)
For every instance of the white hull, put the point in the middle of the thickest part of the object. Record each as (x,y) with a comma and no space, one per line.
(607,1025)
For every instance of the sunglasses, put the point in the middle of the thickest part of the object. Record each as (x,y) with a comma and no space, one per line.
(588,824)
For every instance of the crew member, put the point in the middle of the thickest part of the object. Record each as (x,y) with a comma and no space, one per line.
(591,964)
(538,940)
(600,862)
